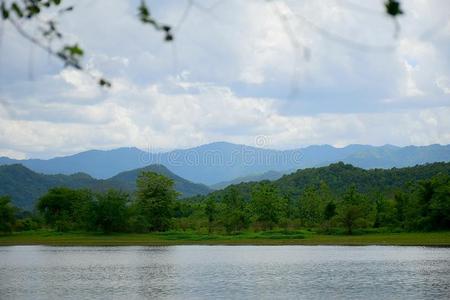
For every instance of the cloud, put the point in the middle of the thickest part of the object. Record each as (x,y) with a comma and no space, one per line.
(298,72)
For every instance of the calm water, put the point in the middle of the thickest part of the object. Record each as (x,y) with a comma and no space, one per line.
(186,272)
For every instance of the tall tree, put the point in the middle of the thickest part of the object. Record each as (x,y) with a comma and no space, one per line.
(310,207)
(354,210)
(155,197)
(112,211)
(6,214)
(267,204)
(434,203)
(234,215)
(65,209)
(211,212)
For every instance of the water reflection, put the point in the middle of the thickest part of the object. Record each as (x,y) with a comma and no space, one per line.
(40,272)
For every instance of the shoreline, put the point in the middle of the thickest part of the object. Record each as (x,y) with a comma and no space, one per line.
(48,238)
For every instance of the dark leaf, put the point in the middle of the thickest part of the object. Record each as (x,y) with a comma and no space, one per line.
(104,83)
(169,37)
(5,12)
(393,8)
(17,10)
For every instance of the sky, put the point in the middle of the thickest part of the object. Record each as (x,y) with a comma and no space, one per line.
(275,74)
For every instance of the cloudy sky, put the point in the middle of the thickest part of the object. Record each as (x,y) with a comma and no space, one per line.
(294,72)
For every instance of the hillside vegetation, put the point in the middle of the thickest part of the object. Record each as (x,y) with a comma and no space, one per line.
(339,177)
(338,199)
(25,186)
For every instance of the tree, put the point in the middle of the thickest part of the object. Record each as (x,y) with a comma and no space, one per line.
(329,211)
(155,197)
(65,209)
(353,210)
(112,211)
(7,218)
(211,212)
(433,201)
(440,203)
(310,207)
(235,217)
(267,204)
(401,207)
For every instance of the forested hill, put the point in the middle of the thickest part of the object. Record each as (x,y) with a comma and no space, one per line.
(340,177)
(25,186)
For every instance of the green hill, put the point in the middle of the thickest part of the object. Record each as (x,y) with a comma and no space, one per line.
(339,177)
(25,186)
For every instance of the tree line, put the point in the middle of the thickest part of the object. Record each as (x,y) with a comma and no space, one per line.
(420,205)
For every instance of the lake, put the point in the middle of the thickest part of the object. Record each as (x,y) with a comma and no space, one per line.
(223,272)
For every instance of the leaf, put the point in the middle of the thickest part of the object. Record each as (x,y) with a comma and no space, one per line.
(17,10)
(74,50)
(144,13)
(393,8)
(169,37)
(33,10)
(104,83)
(5,12)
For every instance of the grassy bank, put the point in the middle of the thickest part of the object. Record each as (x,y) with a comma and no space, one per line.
(249,238)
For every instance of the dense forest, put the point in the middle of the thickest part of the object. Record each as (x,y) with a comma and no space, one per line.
(338,198)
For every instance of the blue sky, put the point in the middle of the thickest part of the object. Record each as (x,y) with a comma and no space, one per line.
(295,72)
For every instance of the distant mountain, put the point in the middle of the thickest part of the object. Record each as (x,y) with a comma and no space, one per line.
(391,156)
(26,186)
(339,177)
(269,175)
(97,163)
(221,162)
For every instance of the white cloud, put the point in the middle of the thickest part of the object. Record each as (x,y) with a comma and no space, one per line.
(444,84)
(228,76)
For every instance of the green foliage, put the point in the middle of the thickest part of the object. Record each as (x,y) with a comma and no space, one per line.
(337,178)
(71,55)
(393,8)
(65,209)
(329,211)
(421,204)
(146,18)
(155,196)
(25,186)
(210,212)
(267,205)
(310,207)
(354,211)
(112,211)
(385,212)
(7,218)
(433,200)
(235,213)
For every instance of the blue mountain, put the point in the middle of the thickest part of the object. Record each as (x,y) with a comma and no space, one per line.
(220,162)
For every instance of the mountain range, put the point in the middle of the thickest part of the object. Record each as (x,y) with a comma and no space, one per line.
(222,163)
(26,186)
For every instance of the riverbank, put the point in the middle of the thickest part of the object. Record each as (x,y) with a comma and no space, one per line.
(250,238)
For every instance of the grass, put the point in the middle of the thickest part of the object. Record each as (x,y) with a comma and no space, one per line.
(43,237)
